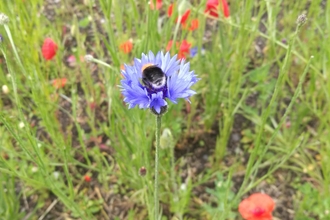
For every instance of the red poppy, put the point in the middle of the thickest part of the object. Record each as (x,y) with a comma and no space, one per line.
(212,8)
(193,25)
(59,83)
(184,17)
(184,49)
(158,4)
(258,206)
(170,10)
(49,49)
(87,178)
(126,47)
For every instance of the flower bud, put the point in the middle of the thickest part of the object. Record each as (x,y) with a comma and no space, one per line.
(302,19)
(143,171)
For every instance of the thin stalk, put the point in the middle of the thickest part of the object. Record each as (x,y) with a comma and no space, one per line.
(156,193)
(256,152)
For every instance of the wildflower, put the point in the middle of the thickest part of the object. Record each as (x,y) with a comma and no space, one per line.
(153,79)
(184,49)
(194,24)
(158,4)
(1,38)
(59,83)
(49,49)
(126,47)
(3,19)
(71,61)
(183,18)
(257,207)
(170,10)
(212,8)
(87,178)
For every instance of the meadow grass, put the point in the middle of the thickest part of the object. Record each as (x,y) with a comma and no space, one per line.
(254,65)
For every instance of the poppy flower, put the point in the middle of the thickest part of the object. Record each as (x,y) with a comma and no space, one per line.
(193,25)
(212,8)
(184,17)
(258,206)
(126,47)
(49,49)
(59,83)
(158,4)
(173,81)
(184,49)
(170,10)
(87,178)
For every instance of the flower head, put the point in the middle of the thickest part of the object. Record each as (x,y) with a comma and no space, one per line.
(126,47)
(258,206)
(212,8)
(154,78)
(184,16)
(49,49)
(183,48)
(3,19)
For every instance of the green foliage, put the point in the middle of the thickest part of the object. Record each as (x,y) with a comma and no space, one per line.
(252,65)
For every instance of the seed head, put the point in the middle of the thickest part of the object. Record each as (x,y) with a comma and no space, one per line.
(3,19)
(89,58)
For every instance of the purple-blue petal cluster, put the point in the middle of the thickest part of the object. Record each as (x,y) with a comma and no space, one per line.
(179,79)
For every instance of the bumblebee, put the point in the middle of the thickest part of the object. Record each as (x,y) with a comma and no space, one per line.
(153,77)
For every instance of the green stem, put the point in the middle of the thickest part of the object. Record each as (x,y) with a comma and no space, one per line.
(156,199)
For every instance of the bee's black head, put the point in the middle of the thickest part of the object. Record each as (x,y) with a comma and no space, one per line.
(153,77)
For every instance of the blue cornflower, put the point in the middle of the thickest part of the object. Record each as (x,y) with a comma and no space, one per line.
(153,79)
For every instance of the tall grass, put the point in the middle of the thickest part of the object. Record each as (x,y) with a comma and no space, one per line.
(50,138)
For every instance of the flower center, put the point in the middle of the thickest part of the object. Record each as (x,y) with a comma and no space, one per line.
(257,212)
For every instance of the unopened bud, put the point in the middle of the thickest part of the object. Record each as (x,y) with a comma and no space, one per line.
(5,89)
(301,20)
(163,110)
(143,171)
